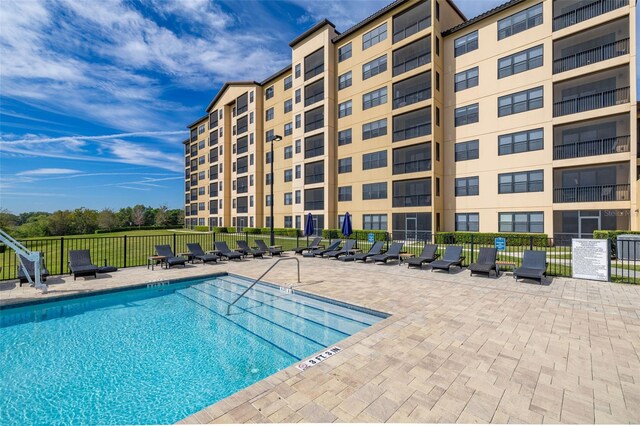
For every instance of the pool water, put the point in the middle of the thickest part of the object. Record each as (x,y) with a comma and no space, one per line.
(157,354)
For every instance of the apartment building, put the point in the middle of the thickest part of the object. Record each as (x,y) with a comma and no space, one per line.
(418,120)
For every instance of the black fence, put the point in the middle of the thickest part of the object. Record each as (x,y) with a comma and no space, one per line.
(127,251)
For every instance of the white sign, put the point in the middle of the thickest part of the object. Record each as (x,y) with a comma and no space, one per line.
(590,259)
(317,359)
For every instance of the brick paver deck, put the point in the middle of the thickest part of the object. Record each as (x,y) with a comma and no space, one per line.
(455,349)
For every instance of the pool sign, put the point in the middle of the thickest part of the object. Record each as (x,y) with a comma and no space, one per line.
(591,259)
(500,243)
(317,359)
(370,237)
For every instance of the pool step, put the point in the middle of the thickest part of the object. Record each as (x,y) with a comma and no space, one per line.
(282,302)
(286,340)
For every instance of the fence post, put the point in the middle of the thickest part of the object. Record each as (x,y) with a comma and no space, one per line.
(531,242)
(62,271)
(387,240)
(125,251)
(472,249)
(174,243)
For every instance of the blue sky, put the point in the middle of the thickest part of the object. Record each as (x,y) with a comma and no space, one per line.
(95,94)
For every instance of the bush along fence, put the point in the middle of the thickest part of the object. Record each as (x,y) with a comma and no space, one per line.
(127,251)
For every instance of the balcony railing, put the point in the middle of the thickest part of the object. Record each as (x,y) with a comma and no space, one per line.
(585,12)
(591,148)
(591,56)
(589,102)
(412,132)
(419,95)
(582,194)
(412,166)
(411,200)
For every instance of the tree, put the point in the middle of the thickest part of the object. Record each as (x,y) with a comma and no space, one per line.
(162,216)
(36,226)
(107,219)
(7,220)
(85,221)
(137,215)
(60,223)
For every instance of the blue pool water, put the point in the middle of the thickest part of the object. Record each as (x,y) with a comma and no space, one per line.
(156,354)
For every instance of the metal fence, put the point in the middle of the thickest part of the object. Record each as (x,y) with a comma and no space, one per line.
(127,251)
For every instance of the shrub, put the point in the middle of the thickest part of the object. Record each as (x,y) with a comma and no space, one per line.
(202,229)
(512,238)
(132,228)
(360,234)
(231,229)
(252,230)
(282,232)
(222,229)
(613,236)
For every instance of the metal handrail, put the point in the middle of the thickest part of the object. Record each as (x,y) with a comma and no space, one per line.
(262,276)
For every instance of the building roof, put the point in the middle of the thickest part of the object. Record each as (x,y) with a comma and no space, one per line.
(271,77)
(311,30)
(482,16)
(186,141)
(195,123)
(225,86)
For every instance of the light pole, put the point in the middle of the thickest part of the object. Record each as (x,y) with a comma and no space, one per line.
(272,239)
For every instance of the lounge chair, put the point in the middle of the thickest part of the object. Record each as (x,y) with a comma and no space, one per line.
(170,260)
(321,251)
(244,248)
(534,265)
(346,249)
(273,251)
(31,270)
(225,251)
(80,264)
(428,255)
(392,253)
(197,253)
(452,257)
(315,244)
(486,262)
(376,248)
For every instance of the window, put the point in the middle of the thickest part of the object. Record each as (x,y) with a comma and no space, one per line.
(243,145)
(251,117)
(411,159)
(298,221)
(437,46)
(298,95)
(268,136)
(288,82)
(344,193)
(467,186)
(412,193)
(267,200)
(288,175)
(513,143)
(242,205)
(411,21)
(314,199)
(201,145)
(298,196)
(467,150)
(243,125)
(374,36)
(298,121)
(521,222)
(314,64)
(412,90)
(466,43)
(438,190)
(268,93)
(314,92)
(520,102)
(412,56)
(267,157)
(468,222)
(243,185)
(288,129)
(269,114)
(344,165)
(288,152)
(344,109)
(437,11)
(344,137)
(466,79)
(288,106)
(314,172)
(437,81)
(344,80)
(213,120)
(411,125)
(374,129)
(201,129)
(520,21)
(297,70)
(267,179)
(374,222)
(314,146)
(375,98)
(288,198)
(374,160)
(288,223)
(438,116)
(344,52)
(520,62)
(242,103)
(251,159)
(374,191)
(314,119)
(251,97)
(511,183)
(375,67)
(298,145)
(250,138)
(466,115)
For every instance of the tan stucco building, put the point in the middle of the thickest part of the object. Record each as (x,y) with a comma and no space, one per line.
(417,120)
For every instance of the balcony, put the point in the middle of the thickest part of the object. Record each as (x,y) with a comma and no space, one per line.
(588,11)
(591,56)
(596,193)
(590,102)
(592,148)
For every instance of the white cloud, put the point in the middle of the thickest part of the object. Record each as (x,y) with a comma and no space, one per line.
(48,172)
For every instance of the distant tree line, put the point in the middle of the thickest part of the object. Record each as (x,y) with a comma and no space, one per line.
(87,221)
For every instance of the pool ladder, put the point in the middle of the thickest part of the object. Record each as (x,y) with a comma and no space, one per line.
(262,276)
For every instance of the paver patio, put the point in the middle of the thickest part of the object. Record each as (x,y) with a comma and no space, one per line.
(455,348)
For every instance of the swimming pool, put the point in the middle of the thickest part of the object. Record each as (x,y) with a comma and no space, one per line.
(158,353)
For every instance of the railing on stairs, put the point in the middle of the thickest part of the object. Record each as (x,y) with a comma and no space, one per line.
(33,256)
(260,277)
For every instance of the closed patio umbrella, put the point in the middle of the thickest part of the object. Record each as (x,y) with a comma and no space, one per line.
(347,229)
(308,226)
